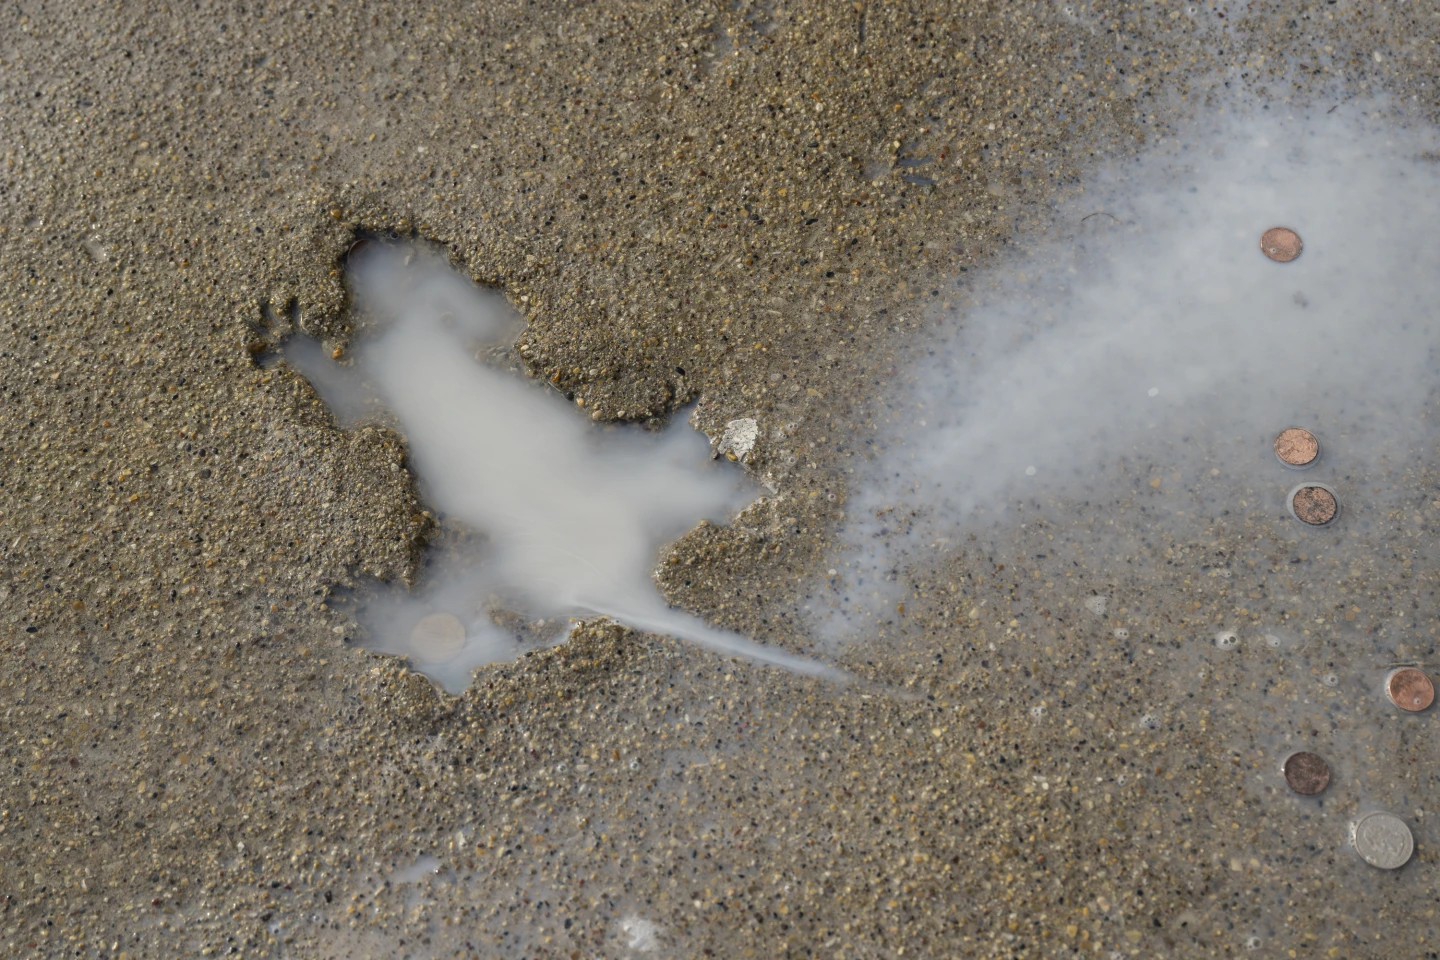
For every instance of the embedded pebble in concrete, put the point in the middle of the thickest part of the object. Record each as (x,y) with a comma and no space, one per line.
(640,935)
(739,438)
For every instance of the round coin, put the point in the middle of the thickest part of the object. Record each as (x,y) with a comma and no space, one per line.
(1297,447)
(1281,244)
(1314,503)
(1410,689)
(1307,773)
(437,637)
(1383,840)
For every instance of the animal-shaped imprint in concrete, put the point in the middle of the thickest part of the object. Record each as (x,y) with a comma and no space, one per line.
(567,517)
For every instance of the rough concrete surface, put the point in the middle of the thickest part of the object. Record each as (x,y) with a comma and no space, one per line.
(722,201)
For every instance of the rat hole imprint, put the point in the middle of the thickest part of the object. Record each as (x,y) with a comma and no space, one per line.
(545,515)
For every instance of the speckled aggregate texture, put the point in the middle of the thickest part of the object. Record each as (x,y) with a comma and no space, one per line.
(759,205)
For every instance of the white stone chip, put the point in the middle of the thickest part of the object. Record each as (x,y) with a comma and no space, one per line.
(739,438)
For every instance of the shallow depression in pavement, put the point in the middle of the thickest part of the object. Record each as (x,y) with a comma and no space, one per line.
(544,515)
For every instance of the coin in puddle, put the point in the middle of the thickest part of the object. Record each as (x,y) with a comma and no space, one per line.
(1410,689)
(1383,840)
(1281,244)
(1314,503)
(1297,447)
(437,637)
(1307,773)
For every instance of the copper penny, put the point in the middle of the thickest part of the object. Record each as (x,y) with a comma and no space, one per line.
(1297,447)
(1314,504)
(1307,773)
(1410,689)
(1281,244)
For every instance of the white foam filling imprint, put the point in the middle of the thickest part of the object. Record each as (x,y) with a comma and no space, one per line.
(561,517)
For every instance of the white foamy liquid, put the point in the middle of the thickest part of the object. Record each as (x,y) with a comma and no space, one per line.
(572,515)
(1148,339)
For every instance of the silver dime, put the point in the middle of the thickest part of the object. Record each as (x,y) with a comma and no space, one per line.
(1383,840)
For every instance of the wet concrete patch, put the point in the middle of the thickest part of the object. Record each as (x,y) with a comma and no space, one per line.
(1155,353)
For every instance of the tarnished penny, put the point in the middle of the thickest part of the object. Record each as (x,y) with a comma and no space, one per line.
(1297,447)
(1383,840)
(1314,504)
(1307,773)
(437,637)
(1281,244)
(1410,689)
